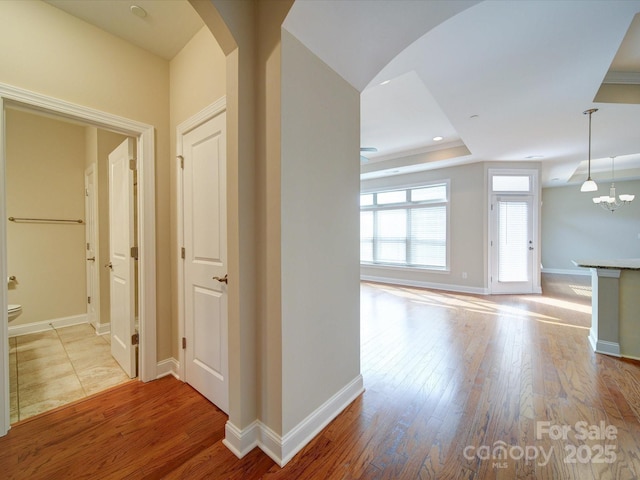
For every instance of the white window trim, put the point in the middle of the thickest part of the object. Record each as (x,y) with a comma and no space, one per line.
(406,186)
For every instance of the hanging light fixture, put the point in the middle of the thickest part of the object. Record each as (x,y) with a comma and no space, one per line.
(589,185)
(610,202)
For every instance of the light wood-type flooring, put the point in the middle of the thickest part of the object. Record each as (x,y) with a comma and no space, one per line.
(457,387)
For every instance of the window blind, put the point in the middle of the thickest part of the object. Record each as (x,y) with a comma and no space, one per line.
(405,227)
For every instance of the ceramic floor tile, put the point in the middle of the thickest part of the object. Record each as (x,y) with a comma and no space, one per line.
(74,332)
(44,352)
(26,411)
(59,366)
(36,375)
(96,379)
(42,366)
(84,346)
(65,389)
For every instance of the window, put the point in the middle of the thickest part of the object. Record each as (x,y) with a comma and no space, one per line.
(405,227)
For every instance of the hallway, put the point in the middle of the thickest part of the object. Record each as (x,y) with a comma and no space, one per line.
(445,374)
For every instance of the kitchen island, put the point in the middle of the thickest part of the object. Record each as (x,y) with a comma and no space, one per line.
(615,302)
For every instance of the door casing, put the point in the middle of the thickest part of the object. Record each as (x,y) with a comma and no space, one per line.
(535,192)
(145,135)
(92,247)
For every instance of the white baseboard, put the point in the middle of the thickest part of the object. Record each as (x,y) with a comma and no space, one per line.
(170,366)
(434,286)
(605,347)
(43,326)
(566,271)
(282,449)
(103,328)
(241,442)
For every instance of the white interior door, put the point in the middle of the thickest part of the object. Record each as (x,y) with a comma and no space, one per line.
(122,264)
(91,235)
(513,245)
(205,259)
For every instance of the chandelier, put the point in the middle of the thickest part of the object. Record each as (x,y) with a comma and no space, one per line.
(610,202)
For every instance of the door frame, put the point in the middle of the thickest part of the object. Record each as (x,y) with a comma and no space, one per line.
(92,205)
(183,128)
(535,192)
(145,136)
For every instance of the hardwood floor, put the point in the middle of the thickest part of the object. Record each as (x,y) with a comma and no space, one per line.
(449,377)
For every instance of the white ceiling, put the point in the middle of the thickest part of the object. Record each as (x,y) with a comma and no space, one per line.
(499,80)
(507,79)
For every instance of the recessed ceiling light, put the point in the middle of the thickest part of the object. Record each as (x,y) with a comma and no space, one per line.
(385,82)
(533,157)
(138,11)
(438,138)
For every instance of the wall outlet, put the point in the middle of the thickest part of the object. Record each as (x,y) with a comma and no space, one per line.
(464,274)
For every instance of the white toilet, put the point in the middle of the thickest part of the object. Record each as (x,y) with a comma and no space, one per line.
(14,312)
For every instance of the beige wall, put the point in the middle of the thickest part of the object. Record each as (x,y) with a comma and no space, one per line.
(573,228)
(45,179)
(630,313)
(468,226)
(48,51)
(320,175)
(198,79)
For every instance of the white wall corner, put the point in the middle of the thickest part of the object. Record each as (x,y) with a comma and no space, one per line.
(241,442)
(103,328)
(169,366)
(306,430)
(605,347)
(282,449)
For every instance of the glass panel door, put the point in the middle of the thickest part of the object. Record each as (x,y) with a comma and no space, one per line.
(512,244)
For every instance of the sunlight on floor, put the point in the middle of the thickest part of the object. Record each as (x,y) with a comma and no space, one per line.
(555,302)
(582,290)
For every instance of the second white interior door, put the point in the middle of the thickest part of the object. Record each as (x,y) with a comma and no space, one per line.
(205,259)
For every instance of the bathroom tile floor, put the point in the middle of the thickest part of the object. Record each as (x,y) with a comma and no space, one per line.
(59,366)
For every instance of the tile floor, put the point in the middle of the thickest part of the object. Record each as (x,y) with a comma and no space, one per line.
(52,368)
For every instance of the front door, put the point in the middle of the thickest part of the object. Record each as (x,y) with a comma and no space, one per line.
(122,264)
(205,259)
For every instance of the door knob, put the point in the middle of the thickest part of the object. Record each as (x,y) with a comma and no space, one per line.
(92,259)
(222,279)
(530,248)
(109,265)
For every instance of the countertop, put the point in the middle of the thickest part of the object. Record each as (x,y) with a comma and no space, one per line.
(620,264)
